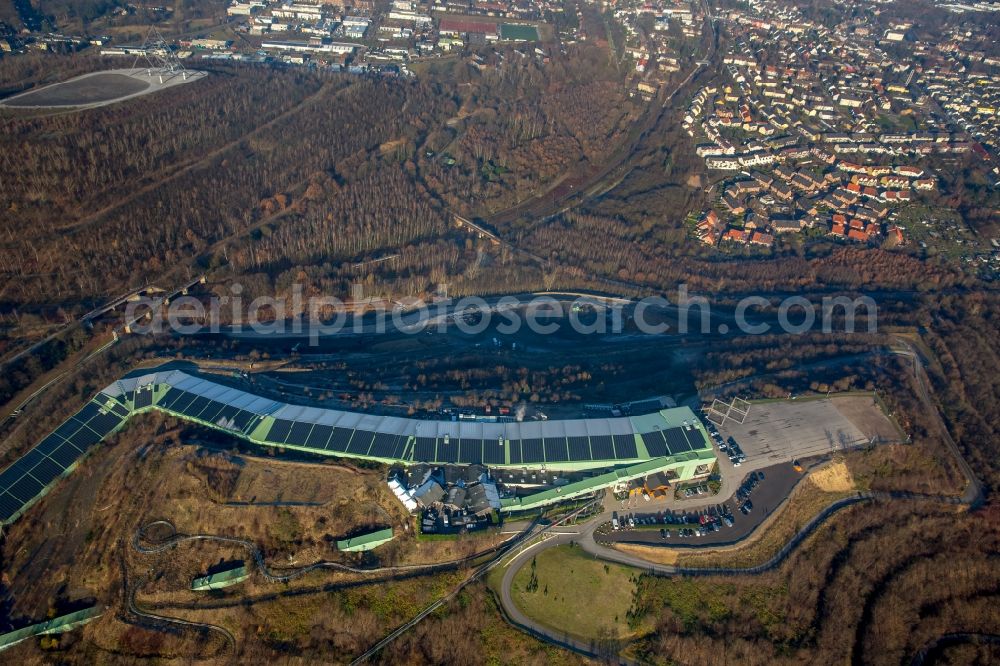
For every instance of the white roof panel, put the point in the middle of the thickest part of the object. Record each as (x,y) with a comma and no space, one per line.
(311,414)
(470,430)
(370,422)
(575,428)
(531,430)
(112,390)
(425,428)
(449,428)
(554,429)
(289,412)
(215,392)
(486,430)
(187,383)
(328,417)
(262,406)
(395,425)
(349,420)
(229,395)
(494,430)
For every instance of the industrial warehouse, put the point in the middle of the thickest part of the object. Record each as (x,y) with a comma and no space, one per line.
(598,452)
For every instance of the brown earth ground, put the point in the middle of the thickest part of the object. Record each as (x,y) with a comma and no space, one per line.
(75,548)
(872,422)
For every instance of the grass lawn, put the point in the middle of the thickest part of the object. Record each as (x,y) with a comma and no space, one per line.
(576,593)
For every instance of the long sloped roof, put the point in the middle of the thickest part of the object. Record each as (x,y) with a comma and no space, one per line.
(573,443)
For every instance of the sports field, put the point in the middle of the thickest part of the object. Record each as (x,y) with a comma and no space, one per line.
(518,33)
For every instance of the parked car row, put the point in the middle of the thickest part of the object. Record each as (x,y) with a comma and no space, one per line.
(748,485)
(733,450)
(727,446)
(692,523)
(714,432)
(686,532)
(696,490)
(743,492)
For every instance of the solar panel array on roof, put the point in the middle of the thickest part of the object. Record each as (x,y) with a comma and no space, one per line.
(225,415)
(279,431)
(406,447)
(387,446)
(50,444)
(532,451)
(299,433)
(243,419)
(197,406)
(385,437)
(144,397)
(654,443)
(339,440)
(579,448)
(200,405)
(555,449)
(25,488)
(447,451)
(66,454)
(399,447)
(695,438)
(8,505)
(625,446)
(493,452)
(361,442)
(602,447)
(515,451)
(182,402)
(46,470)
(118,409)
(425,449)
(24,481)
(676,441)
(319,436)
(169,398)
(84,438)
(214,412)
(104,422)
(470,451)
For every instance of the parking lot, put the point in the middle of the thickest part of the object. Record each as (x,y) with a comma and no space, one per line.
(707,525)
(783,431)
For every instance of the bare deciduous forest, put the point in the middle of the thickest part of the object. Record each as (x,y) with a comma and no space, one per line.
(260,170)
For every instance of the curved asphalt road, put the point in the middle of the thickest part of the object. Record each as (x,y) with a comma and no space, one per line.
(972,497)
(584,537)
